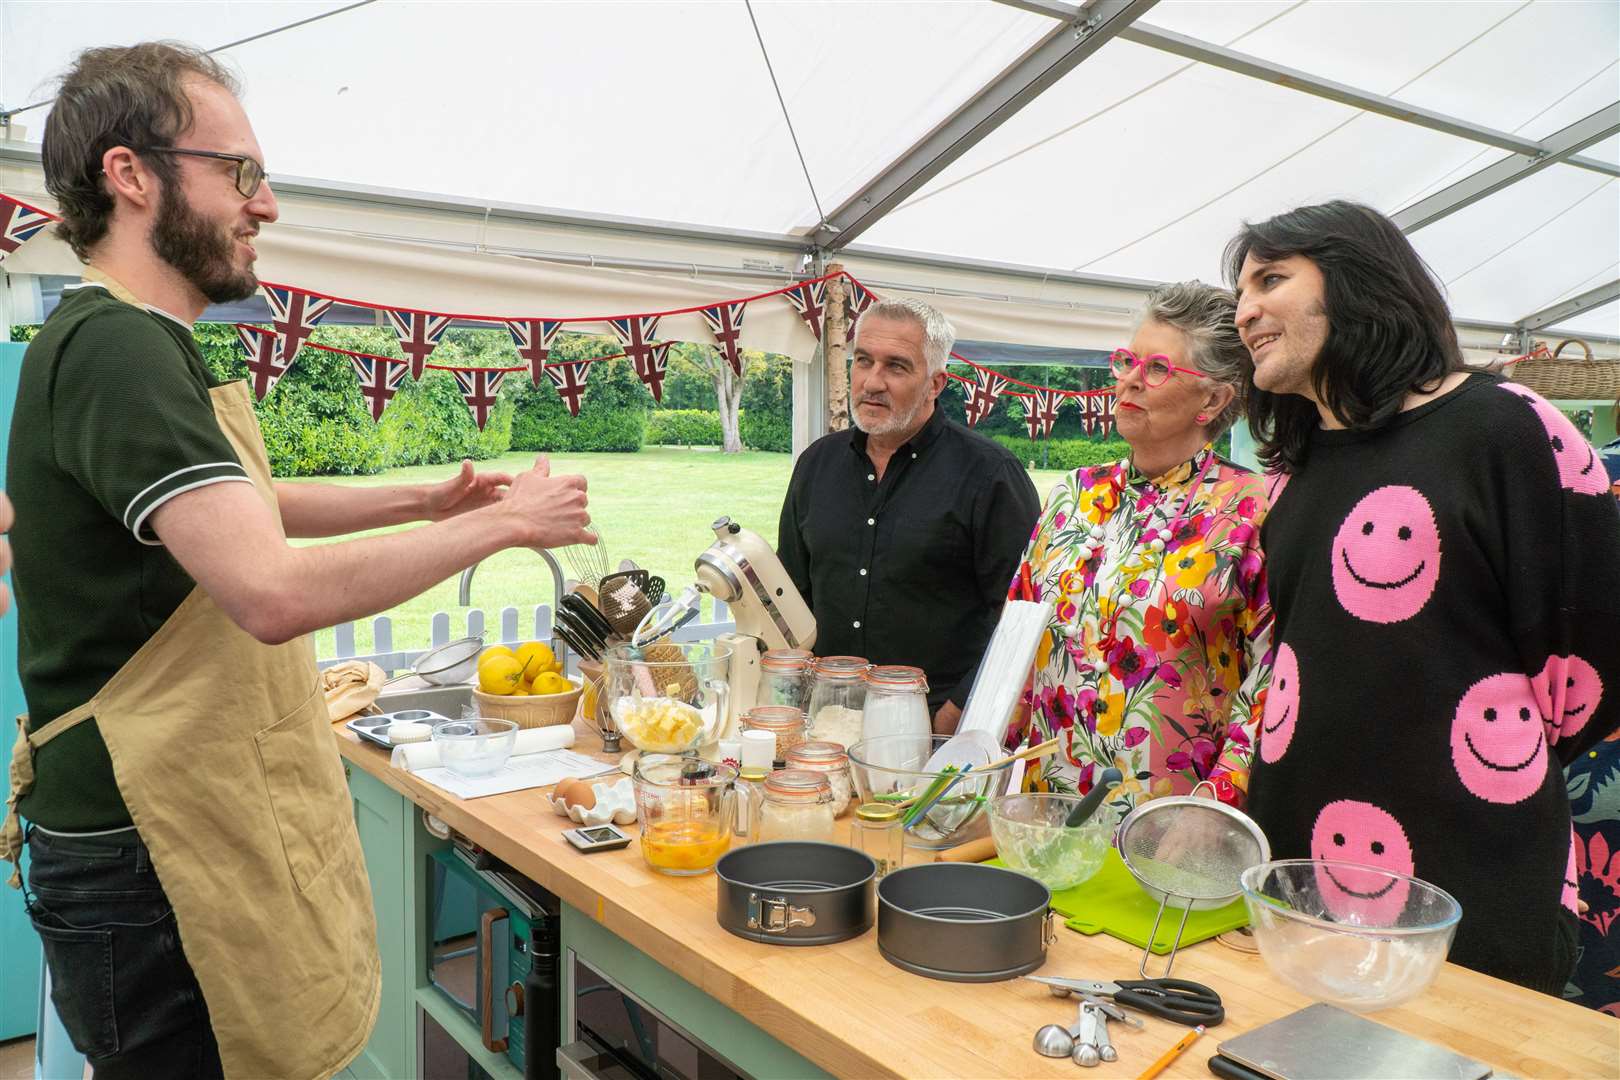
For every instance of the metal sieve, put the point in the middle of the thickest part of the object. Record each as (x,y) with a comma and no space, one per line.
(1188,852)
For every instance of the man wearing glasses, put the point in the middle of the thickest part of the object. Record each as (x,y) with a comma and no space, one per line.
(195,876)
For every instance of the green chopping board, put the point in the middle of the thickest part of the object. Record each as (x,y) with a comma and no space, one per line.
(1113,903)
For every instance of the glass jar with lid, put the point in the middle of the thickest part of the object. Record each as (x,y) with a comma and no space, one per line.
(784,678)
(876,831)
(826,756)
(797,804)
(837,695)
(897,704)
(783,721)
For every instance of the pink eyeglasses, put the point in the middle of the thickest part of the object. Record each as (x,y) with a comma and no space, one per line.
(1155,369)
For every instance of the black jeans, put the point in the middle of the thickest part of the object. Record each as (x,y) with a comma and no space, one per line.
(119,980)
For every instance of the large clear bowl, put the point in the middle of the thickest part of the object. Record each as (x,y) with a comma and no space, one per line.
(1356,936)
(668,698)
(475,747)
(889,769)
(1031,837)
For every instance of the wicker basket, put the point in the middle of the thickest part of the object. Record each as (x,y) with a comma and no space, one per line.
(1577,380)
(544,710)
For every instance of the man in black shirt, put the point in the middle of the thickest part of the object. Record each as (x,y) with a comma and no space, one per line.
(903,532)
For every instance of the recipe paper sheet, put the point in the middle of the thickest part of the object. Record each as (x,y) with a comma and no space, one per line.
(518,774)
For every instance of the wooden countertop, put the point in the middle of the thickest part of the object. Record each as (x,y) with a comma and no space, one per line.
(850,1011)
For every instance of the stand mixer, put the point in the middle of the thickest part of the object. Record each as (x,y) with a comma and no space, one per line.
(741,571)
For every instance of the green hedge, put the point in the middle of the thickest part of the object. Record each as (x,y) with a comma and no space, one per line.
(612,416)
(684,427)
(767,407)
(1064,453)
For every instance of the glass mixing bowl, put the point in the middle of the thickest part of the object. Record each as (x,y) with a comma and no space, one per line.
(1031,837)
(955,818)
(475,748)
(1356,936)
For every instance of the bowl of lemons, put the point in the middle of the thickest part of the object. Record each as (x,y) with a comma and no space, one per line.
(525,685)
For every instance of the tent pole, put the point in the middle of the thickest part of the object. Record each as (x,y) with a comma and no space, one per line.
(835,334)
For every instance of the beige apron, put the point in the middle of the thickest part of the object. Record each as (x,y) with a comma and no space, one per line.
(224,754)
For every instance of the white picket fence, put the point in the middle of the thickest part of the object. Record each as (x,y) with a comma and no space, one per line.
(514,629)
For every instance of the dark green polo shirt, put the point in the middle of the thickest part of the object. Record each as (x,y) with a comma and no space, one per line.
(113,418)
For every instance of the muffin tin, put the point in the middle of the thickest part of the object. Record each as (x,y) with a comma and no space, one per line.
(375,728)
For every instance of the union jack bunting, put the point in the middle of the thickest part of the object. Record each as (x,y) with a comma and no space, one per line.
(18,224)
(264,364)
(859,301)
(1040,411)
(982,394)
(479,386)
(533,339)
(294,314)
(1097,413)
(636,334)
(419,334)
(725,321)
(810,301)
(569,379)
(380,376)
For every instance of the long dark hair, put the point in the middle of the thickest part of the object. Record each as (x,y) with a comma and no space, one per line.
(1389,330)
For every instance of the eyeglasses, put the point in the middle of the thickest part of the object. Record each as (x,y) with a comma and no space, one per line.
(249,173)
(1156,369)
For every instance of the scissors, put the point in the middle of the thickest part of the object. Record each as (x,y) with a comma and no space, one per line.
(1176,1000)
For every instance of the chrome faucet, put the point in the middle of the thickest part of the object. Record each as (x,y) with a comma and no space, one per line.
(558,648)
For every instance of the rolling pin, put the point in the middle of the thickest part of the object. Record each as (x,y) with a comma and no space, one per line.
(972,851)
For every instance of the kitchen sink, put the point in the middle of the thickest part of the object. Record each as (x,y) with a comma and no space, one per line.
(447,701)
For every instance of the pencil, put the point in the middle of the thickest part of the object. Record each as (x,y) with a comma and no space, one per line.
(1171,1054)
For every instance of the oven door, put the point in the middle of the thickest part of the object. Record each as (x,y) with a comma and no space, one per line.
(617,1037)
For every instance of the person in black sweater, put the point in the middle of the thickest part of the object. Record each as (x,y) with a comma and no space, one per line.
(1445,573)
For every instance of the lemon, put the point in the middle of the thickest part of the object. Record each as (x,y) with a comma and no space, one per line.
(550,682)
(499,675)
(587,706)
(535,656)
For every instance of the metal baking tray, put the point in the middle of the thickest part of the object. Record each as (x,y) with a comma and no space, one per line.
(375,728)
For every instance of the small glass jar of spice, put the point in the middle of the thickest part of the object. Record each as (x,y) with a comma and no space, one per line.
(784,677)
(783,721)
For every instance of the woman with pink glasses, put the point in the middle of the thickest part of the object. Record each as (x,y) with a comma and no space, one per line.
(1156,651)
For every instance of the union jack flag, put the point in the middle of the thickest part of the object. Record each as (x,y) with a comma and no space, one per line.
(636,333)
(480,387)
(569,379)
(263,361)
(725,320)
(533,339)
(1098,413)
(859,301)
(1040,411)
(810,301)
(380,376)
(18,224)
(419,333)
(294,314)
(987,386)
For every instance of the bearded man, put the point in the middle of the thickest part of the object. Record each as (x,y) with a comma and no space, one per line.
(903,532)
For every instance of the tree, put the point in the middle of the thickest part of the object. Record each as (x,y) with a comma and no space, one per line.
(728,387)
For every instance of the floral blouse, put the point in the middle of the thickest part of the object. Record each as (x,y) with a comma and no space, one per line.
(1154,658)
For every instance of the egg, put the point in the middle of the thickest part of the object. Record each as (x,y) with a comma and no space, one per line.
(573,792)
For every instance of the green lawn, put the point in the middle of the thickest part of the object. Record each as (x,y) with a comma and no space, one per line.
(654,507)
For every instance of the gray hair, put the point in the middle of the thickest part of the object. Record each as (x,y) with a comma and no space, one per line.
(939,336)
(1207,316)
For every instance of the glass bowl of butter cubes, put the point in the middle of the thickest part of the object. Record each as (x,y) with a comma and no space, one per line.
(667,697)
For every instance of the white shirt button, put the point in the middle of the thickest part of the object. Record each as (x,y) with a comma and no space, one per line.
(914,455)
(863,571)
(857,624)
(871,476)
(871,521)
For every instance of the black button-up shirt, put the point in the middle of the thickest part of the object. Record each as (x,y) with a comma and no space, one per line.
(911,568)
